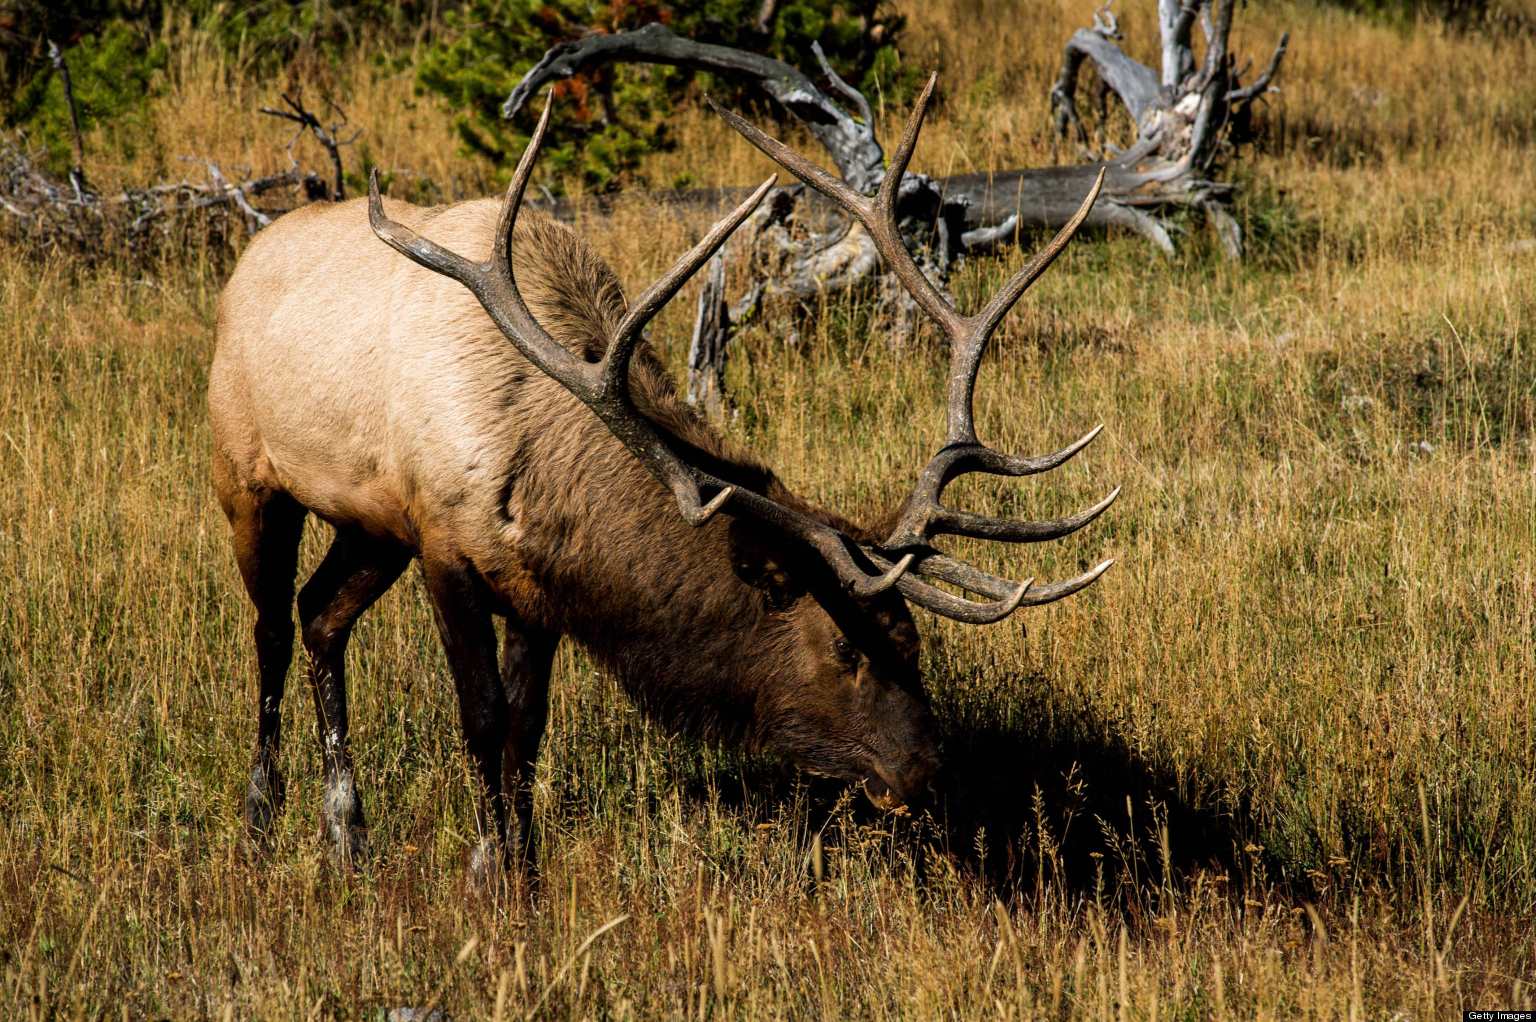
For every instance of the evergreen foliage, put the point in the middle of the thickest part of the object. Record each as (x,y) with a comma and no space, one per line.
(613,115)
(475,51)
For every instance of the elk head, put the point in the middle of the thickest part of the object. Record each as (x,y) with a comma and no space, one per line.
(844,695)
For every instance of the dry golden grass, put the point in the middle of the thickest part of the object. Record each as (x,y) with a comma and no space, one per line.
(1276,764)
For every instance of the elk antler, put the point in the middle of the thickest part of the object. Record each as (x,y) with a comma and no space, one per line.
(922,516)
(604,388)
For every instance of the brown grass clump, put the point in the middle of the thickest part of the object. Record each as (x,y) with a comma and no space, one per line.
(1276,764)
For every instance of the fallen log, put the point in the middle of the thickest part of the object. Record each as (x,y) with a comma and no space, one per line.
(1188,118)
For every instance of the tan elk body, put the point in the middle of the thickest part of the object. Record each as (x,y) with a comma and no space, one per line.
(541,482)
(378,394)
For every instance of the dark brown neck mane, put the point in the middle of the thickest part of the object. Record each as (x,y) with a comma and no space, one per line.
(669,608)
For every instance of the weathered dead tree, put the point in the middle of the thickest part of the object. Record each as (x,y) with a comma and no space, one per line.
(1186,119)
(49,214)
(61,68)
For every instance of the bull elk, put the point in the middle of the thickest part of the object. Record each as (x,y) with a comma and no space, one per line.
(557,482)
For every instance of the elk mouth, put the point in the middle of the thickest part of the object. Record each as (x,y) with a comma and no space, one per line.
(897,788)
(882,796)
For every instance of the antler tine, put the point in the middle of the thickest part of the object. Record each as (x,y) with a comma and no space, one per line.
(943,568)
(957,608)
(965,356)
(491,281)
(1061,590)
(878,217)
(947,522)
(501,250)
(416,248)
(891,184)
(833,188)
(616,360)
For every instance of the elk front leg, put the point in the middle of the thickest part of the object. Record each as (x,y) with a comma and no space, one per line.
(469,640)
(356,571)
(527,654)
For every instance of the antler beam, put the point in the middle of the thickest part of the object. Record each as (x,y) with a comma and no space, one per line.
(922,515)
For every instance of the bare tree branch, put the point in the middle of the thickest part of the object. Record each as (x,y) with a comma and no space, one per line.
(327,137)
(851,143)
(77,172)
(1260,85)
(141,220)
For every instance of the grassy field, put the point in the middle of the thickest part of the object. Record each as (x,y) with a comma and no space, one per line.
(1278,763)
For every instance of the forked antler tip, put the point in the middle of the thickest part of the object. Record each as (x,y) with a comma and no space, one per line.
(875,585)
(375,200)
(1016,600)
(389,232)
(700,515)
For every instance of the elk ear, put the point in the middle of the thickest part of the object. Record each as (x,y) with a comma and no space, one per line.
(760,565)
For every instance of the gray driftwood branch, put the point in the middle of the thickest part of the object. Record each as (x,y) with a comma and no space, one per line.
(43,211)
(850,142)
(1184,114)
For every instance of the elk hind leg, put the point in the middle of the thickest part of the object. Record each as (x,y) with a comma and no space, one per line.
(266,526)
(356,571)
(464,623)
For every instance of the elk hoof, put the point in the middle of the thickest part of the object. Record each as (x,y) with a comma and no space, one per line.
(487,864)
(263,801)
(345,830)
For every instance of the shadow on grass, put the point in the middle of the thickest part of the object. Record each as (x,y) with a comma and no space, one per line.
(1042,801)
(1031,805)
